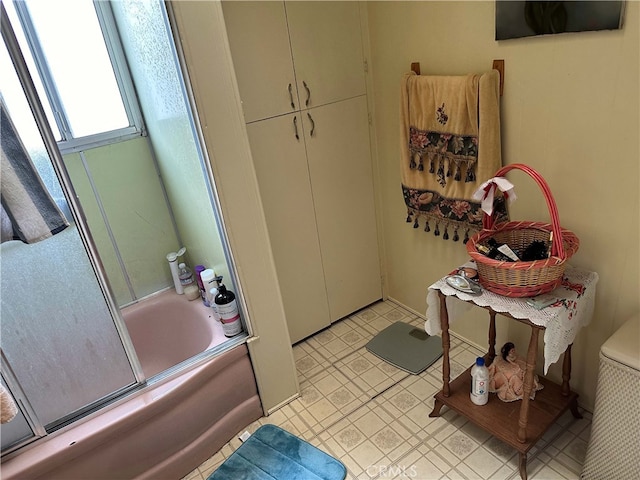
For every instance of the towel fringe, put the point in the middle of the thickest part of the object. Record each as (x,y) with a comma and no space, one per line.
(447,228)
(471,174)
(440,174)
(454,166)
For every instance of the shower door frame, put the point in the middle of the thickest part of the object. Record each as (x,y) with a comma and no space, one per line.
(48,138)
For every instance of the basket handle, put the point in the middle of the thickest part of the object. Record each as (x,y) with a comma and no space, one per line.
(557,245)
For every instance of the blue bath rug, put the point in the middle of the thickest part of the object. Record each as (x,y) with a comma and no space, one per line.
(273,453)
(406,347)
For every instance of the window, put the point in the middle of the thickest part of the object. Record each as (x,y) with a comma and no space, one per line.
(78,65)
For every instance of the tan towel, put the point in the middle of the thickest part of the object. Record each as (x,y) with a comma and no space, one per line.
(450,145)
(7,406)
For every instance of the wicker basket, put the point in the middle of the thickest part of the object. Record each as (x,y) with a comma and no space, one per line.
(524,279)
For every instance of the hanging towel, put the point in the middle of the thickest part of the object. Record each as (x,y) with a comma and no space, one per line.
(450,144)
(28,211)
(8,408)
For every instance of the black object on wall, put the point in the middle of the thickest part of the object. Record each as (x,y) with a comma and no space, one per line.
(515,19)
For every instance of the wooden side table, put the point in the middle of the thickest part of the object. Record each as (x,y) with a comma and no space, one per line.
(519,424)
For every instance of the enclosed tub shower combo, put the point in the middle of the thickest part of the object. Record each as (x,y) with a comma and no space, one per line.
(111,372)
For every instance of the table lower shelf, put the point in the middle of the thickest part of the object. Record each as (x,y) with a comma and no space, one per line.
(501,418)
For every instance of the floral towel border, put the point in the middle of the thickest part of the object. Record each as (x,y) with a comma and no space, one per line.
(459,150)
(448,213)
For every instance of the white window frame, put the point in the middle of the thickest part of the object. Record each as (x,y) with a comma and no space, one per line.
(68,143)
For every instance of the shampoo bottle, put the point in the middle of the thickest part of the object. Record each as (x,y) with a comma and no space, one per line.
(227,308)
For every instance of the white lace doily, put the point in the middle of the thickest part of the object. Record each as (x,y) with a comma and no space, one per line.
(561,321)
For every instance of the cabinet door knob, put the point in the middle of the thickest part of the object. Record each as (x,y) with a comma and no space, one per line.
(306,87)
(295,126)
(293,105)
(313,124)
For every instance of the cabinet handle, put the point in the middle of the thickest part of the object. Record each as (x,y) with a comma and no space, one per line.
(313,124)
(306,87)
(293,105)
(295,126)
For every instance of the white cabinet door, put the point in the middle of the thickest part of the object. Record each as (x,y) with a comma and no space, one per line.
(285,189)
(259,42)
(342,183)
(327,50)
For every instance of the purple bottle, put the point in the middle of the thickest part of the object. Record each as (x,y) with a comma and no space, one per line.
(198,269)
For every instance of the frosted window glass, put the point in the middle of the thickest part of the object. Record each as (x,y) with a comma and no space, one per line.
(9,91)
(146,40)
(73,45)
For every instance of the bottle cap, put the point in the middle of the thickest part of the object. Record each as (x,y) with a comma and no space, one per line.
(207,275)
(173,256)
(182,265)
(480,362)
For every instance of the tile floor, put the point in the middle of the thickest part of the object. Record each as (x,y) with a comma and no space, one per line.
(375,417)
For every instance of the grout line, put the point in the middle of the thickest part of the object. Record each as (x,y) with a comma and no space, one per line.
(373,402)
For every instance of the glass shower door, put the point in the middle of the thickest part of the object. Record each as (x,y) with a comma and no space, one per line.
(62,338)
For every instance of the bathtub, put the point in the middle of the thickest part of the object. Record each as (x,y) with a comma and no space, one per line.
(166,429)
(167,329)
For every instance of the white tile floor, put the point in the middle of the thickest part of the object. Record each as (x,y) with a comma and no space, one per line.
(375,417)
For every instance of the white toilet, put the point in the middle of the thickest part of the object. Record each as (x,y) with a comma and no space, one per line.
(614,447)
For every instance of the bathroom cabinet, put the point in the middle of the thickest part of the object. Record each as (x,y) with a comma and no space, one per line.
(301,76)
(295,55)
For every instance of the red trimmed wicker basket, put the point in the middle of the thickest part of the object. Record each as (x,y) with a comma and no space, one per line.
(524,279)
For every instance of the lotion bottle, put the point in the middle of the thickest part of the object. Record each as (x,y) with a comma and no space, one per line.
(479,382)
(172,258)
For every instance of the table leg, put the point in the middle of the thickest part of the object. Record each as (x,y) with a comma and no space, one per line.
(566,371)
(492,336)
(446,344)
(522,466)
(528,384)
(566,377)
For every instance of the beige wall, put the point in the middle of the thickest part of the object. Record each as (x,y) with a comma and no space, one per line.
(570,110)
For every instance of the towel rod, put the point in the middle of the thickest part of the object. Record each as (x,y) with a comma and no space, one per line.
(497,65)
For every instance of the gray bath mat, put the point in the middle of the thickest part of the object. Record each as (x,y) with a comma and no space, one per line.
(406,347)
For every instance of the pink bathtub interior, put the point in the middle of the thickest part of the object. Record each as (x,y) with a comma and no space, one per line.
(167,429)
(167,329)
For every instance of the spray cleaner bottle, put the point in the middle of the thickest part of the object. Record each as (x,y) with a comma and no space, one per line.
(227,309)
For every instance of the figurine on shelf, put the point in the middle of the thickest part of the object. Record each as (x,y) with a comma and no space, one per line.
(506,375)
